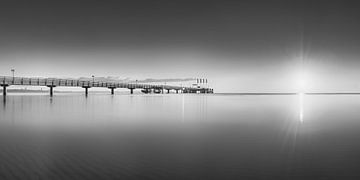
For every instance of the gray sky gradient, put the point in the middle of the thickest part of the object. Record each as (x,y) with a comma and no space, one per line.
(240,46)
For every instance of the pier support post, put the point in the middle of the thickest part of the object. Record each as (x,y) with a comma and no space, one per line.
(4,88)
(86,90)
(112,90)
(131,90)
(51,90)
(177,91)
(168,91)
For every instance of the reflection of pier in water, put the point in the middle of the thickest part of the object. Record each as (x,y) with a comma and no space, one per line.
(52,83)
(4,102)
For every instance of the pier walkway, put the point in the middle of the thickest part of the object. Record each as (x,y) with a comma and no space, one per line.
(6,81)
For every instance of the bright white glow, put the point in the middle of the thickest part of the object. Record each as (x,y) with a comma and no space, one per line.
(302,83)
(301,88)
(301,107)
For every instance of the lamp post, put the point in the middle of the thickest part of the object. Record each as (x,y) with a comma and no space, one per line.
(13,74)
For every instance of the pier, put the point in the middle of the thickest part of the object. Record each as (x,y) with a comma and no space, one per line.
(52,83)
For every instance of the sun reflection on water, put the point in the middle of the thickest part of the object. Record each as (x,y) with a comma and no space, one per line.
(301,107)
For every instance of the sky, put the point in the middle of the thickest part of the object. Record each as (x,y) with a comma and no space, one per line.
(239,46)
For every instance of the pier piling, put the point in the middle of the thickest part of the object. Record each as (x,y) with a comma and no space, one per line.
(112,90)
(51,89)
(86,90)
(4,88)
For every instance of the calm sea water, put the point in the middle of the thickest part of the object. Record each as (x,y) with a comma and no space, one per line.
(179,136)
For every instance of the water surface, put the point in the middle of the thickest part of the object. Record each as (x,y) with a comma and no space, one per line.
(180,136)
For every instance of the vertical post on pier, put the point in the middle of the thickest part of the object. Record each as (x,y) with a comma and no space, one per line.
(4,89)
(86,91)
(177,91)
(112,90)
(168,91)
(131,90)
(51,90)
